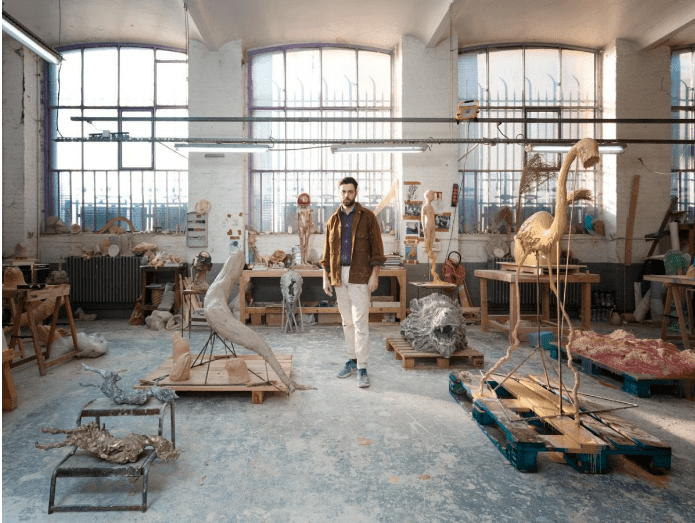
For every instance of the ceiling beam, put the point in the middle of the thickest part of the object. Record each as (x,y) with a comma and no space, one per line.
(438,26)
(200,24)
(680,15)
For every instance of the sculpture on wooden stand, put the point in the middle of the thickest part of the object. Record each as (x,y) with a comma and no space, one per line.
(428,226)
(305,227)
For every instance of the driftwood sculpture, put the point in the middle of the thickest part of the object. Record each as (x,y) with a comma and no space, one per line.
(181,356)
(537,244)
(223,322)
(132,397)
(291,286)
(103,445)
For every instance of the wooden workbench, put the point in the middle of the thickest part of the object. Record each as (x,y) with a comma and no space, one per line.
(677,285)
(396,276)
(586,279)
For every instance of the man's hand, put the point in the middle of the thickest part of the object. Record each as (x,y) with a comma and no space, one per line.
(327,287)
(373,281)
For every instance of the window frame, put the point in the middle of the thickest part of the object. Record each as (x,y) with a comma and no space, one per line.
(327,177)
(52,176)
(521,104)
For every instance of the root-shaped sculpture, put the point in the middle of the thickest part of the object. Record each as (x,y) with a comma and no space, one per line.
(223,322)
(537,244)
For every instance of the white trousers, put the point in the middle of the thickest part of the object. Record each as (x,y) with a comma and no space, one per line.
(353,303)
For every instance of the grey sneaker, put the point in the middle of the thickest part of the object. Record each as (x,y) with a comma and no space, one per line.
(349,368)
(362,378)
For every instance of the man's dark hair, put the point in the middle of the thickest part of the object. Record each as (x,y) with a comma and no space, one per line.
(346,180)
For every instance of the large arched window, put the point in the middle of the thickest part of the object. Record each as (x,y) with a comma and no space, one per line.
(317,81)
(683,107)
(90,182)
(522,82)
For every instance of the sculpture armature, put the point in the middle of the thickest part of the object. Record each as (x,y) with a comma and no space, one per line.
(537,244)
(223,322)
(427,219)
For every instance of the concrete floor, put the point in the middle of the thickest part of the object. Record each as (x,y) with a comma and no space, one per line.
(402,450)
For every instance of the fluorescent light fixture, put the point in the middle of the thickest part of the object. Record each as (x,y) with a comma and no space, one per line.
(378,148)
(28,39)
(549,148)
(223,147)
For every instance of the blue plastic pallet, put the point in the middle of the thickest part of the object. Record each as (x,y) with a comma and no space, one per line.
(639,385)
(520,442)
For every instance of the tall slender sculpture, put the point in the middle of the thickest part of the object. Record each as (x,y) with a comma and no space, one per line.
(537,244)
(305,227)
(428,226)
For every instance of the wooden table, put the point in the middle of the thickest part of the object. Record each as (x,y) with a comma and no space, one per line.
(585,279)
(26,301)
(676,284)
(396,275)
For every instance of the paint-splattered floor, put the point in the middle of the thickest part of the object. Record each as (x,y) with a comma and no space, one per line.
(401,450)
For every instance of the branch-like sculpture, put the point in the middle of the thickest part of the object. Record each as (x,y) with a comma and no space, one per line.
(132,397)
(537,244)
(223,322)
(116,450)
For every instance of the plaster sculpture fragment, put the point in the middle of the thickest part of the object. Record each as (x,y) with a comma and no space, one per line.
(237,371)
(435,324)
(181,370)
(201,264)
(13,277)
(143,247)
(115,450)
(223,322)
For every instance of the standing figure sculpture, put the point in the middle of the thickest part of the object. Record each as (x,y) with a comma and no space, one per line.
(428,226)
(305,226)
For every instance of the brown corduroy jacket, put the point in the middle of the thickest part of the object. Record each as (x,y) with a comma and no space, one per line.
(367,247)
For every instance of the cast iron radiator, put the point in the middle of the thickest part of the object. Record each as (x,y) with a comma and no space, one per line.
(104,280)
(498,291)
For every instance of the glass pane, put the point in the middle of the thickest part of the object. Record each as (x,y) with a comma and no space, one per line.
(303,78)
(268,79)
(66,127)
(139,154)
(101,199)
(148,209)
(68,155)
(175,129)
(88,198)
(124,200)
(137,77)
(162,54)
(303,157)
(172,84)
(139,218)
(506,77)
(339,68)
(70,71)
(101,76)
(542,76)
(99,126)
(472,73)
(578,78)
(167,157)
(374,78)
(100,155)
(275,158)
(77,197)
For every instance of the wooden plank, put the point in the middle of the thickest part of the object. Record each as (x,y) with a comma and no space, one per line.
(543,403)
(631,220)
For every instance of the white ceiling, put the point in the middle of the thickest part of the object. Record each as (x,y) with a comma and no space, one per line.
(376,23)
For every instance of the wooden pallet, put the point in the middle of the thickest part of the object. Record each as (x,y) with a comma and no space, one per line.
(640,385)
(502,416)
(262,378)
(412,359)
(532,269)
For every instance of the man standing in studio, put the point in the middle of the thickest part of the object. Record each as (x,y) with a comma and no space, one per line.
(352,258)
